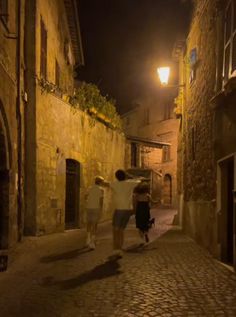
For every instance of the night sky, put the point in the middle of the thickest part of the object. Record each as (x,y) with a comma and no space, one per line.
(125,40)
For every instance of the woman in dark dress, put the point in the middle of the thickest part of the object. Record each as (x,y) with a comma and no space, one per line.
(142,200)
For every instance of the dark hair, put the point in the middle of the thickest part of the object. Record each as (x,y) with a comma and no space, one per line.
(142,188)
(120,175)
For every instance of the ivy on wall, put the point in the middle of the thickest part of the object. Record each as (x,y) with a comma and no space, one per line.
(89,99)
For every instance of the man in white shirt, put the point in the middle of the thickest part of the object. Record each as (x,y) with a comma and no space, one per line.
(94,209)
(123,199)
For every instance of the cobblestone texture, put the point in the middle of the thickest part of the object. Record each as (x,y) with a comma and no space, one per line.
(172,276)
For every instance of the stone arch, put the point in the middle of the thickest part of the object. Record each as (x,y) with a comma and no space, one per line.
(5,165)
(5,139)
(167,190)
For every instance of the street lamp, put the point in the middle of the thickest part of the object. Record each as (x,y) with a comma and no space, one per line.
(164,74)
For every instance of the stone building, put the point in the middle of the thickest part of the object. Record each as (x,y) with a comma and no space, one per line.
(152,130)
(11,120)
(65,148)
(207,180)
(49,151)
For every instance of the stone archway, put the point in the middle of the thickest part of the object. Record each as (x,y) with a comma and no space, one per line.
(4,180)
(167,190)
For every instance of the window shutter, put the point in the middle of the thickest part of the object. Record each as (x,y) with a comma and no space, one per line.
(228,22)
(234,54)
(226,64)
(4,10)
(234,12)
(57,74)
(43,52)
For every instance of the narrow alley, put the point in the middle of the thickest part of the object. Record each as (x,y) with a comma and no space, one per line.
(55,275)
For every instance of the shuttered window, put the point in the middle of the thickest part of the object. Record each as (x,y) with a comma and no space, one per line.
(227,59)
(166,153)
(234,54)
(230,41)
(4,10)
(43,51)
(57,74)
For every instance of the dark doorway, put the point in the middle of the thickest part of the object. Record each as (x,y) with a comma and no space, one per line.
(4,192)
(227,211)
(167,190)
(133,154)
(72,194)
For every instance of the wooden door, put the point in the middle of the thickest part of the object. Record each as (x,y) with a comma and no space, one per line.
(167,190)
(72,194)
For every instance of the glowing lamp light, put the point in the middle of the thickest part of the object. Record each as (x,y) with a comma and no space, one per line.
(163,73)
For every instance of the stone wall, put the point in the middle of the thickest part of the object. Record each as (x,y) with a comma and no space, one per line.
(199,223)
(199,168)
(198,125)
(56,132)
(8,131)
(64,133)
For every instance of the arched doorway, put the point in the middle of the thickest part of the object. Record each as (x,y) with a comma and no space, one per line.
(72,194)
(4,189)
(167,190)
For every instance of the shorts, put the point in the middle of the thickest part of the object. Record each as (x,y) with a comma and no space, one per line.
(121,218)
(93,215)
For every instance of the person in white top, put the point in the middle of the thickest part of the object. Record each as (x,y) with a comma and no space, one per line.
(123,200)
(94,209)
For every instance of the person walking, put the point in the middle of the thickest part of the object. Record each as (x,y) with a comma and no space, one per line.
(142,201)
(94,207)
(123,200)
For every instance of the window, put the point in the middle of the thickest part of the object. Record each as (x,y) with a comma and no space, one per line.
(133,154)
(193,63)
(166,153)
(193,143)
(167,111)
(57,74)
(230,41)
(4,11)
(146,116)
(43,51)
(127,121)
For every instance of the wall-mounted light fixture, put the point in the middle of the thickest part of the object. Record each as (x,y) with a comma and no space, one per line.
(164,74)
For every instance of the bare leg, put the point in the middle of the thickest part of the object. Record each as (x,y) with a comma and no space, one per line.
(146,236)
(121,238)
(115,238)
(89,232)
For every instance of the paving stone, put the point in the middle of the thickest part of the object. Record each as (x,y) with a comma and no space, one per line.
(171,276)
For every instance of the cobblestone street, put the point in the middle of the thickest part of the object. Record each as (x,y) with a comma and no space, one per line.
(171,276)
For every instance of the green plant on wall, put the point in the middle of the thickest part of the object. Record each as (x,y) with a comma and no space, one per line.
(89,98)
(47,86)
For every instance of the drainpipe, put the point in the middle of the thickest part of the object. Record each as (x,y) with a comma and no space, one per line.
(19,121)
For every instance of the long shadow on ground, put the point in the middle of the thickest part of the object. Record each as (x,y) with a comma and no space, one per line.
(139,248)
(102,271)
(64,256)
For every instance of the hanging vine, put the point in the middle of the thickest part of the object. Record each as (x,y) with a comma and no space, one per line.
(89,99)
